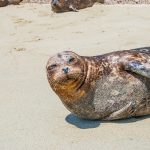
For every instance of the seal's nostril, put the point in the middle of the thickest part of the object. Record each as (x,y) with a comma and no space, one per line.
(65,70)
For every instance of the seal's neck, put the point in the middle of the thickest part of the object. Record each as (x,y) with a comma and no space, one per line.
(94,69)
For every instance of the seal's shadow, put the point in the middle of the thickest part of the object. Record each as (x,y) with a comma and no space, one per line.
(82,123)
(131,120)
(86,124)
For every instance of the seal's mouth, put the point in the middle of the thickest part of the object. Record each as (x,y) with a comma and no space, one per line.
(70,81)
(58,9)
(68,78)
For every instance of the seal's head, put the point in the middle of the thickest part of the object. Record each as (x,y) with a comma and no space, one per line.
(66,73)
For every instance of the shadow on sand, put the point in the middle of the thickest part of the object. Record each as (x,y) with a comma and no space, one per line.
(86,124)
(131,120)
(82,123)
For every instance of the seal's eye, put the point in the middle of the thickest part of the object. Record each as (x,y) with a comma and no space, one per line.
(52,66)
(72,59)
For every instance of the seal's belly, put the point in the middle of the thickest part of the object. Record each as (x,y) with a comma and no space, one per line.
(114,92)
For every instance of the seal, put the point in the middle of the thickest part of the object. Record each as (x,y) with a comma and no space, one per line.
(111,86)
(74,5)
(70,5)
(8,2)
(3,3)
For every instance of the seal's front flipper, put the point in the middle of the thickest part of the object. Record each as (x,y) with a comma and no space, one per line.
(138,67)
(125,112)
(73,8)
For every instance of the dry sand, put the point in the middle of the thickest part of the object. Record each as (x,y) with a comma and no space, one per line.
(31,115)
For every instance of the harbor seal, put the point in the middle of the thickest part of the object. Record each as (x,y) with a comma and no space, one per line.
(74,5)
(70,5)
(112,86)
(9,2)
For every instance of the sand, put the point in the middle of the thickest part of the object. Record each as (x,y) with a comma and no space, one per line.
(31,115)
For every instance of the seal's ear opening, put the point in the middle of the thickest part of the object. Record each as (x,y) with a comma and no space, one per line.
(73,8)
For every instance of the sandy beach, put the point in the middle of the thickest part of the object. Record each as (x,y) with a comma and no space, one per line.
(31,115)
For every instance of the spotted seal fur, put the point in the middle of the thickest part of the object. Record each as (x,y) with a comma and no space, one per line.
(70,5)
(8,2)
(112,86)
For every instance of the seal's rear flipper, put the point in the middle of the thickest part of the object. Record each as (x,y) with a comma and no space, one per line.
(138,67)
(125,112)
(133,108)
